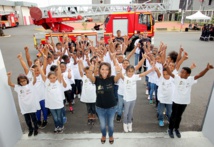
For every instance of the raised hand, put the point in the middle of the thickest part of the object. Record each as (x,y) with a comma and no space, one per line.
(209,66)
(26,48)
(19,56)
(185,56)
(193,65)
(9,74)
(118,68)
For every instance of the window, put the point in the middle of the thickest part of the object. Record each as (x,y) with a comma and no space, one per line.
(144,19)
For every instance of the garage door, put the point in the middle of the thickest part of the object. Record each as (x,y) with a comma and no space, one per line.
(120,24)
(1,8)
(26,15)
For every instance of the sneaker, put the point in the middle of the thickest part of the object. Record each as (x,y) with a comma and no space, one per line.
(89,121)
(118,118)
(64,120)
(147,91)
(78,96)
(73,102)
(44,124)
(30,133)
(60,130)
(39,123)
(35,132)
(148,98)
(178,134)
(130,127)
(125,128)
(170,132)
(161,123)
(150,101)
(56,129)
(71,108)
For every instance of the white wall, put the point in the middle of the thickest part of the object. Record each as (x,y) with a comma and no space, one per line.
(26,14)
(8,8)
(208,128)
(10,129)
(1,8)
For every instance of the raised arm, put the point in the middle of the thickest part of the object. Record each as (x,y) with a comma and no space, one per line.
(59,73)
(45,59)
(141,62)
(9,80)
(118,70)
(34,76)
(132,52)
(184,57)
(146,72)
(24,66)
(41,71)
(28,58)
(203,72)
(157,71)
(80,66)
(179,54)
(91,69)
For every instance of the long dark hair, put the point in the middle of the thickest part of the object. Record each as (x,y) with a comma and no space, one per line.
(22,76)
(109,67)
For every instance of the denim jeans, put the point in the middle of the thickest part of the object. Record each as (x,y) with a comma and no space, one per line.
(152,88)
(120,105)
(116,91)
(57,115)
(106,118)
(29,118)
(136,59)
(161,107)
(44,111)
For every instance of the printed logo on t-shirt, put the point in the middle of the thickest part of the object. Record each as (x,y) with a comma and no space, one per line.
(100,87)
(21,91)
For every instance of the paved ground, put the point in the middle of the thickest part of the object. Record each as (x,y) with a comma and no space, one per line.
(144,114)
(188,139)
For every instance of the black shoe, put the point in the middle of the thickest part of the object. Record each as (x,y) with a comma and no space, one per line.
(30,133)
(89,121)
(118,118)
(178,134)
(39,123)
(44,124)
(35,132)
(170,132)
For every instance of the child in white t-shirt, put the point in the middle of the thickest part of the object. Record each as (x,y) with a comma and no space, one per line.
(27,100)
(130,95)
(183,86)
(88,94)
(54,96)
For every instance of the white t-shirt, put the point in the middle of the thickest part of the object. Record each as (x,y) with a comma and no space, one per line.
(54,95)
(130,87)
(165,90)
(107,58)
(39,86)
(121,84)
(76,72)
(88,94)
(67,81)
(28,102)
(69,66)
(137,49)
(183,89)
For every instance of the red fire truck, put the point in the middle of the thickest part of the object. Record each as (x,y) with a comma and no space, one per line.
(8,20)
(129,21)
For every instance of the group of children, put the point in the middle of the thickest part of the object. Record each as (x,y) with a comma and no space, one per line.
(62,73)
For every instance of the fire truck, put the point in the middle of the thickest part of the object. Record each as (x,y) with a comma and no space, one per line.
(129,18)
(8,19)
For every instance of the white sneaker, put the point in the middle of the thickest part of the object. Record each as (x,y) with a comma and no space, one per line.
(78,96)
(147,91)
(148,97)
(125,127)
(130,127)
(75,96)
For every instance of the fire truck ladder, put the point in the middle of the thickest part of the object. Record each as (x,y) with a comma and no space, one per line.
(99,9)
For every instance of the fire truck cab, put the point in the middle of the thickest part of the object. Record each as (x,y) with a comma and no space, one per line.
(129,23)
(8,20)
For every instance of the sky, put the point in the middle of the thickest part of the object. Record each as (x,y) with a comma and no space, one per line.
(44,3)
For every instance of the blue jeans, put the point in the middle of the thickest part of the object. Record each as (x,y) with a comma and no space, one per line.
(120,105)
(44,111)
(161,107)
(106,118)
(152,88)
(115,91)
(136,59)
(57,115)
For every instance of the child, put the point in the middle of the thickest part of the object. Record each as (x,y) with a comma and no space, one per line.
(39,89)
(54,96)
(88,94)
(182,91)
(27,100)
(130,95)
